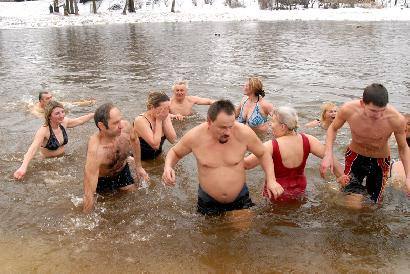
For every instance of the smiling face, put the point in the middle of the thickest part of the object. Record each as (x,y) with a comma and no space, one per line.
(331,113)
(221,128)
(247,89)
(57,115)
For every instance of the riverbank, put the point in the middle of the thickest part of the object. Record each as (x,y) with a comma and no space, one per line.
(35,14)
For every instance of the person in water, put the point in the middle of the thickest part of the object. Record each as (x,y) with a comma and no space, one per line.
(327,116)
(254,109)
(181,103)
(397,169)
(372,121)
(154,126)
(219,145)
(51,138)
(289,152)
(45,96)
(107,166)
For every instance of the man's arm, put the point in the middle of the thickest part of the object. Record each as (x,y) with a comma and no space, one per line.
(255,146)
(201,101)
(91,171)
(182,148)
(404,151)
(337,123)
(79,120)
(251,161)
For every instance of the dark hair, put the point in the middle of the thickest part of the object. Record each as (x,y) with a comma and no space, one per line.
(41,93)
(102,114)
(155,98)
(376,94)
(220,106)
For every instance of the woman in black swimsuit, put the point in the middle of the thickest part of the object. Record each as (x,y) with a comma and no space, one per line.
(154,126)
(52,136)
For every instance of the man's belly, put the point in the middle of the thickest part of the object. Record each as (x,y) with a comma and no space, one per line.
(222,183)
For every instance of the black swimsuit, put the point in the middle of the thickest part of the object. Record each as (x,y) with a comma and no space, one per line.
(147,152)
(53,143)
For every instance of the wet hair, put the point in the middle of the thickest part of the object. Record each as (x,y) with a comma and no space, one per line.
(376,94)
(102,114)
(220,106)
(178,83)
(155,98)
(49,109)
(325,107)
(256,86)
(287,116)
(41,93)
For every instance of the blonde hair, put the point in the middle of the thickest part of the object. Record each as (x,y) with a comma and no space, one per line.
(49,109)
(155,98)
(256,86)
(325,107)
(180,83)
(287,116)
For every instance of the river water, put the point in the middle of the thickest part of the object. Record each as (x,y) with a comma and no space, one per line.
(157,229)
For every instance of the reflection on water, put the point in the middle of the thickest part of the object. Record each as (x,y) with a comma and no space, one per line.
(157,229)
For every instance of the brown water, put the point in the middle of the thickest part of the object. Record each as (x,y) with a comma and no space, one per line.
(157,229)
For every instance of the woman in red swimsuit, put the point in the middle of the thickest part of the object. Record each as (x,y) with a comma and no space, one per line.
(289,152)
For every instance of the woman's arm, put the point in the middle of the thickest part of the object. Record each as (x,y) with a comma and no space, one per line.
(38,139)
(143,130)
(169,130)
(78,121)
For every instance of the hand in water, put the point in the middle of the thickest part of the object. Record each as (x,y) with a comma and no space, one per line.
(327,163)
(19,174)
(169,176)
(275,189)
(142,174)
(343,180)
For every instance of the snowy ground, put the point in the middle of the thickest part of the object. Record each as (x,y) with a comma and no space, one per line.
(35,14)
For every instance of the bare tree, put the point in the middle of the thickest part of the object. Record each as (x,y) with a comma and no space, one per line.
(173,6)
(75,7)
(71,7)
(131,6)
(94,7)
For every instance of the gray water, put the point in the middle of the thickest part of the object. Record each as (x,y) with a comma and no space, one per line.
(157,229)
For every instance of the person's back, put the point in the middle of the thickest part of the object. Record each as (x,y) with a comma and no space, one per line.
(289,155)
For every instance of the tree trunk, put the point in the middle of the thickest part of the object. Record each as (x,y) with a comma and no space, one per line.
(173,6)
(71,7)
(124,11)
(56,8)
(75,7)
(66,7)
(94,7)
(131,6)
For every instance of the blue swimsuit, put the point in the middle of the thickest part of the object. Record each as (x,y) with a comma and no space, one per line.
(256,119)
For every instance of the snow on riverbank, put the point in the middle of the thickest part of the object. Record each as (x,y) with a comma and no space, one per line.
(35,14)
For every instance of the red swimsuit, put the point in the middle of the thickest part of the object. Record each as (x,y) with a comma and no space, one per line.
(292,180)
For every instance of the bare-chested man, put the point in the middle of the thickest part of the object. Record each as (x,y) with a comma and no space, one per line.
(372,121)
(219,146)
(45,96)
(106,167)
(181,103)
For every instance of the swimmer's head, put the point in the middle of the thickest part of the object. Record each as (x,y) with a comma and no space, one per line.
(44,97)
(157,99)
(329,111)
(374,101)
(108,118)
(254,86)
(53,111)
(221,119)
(284,120)
(180,89)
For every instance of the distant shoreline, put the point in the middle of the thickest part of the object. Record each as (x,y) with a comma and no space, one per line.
(35,14)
